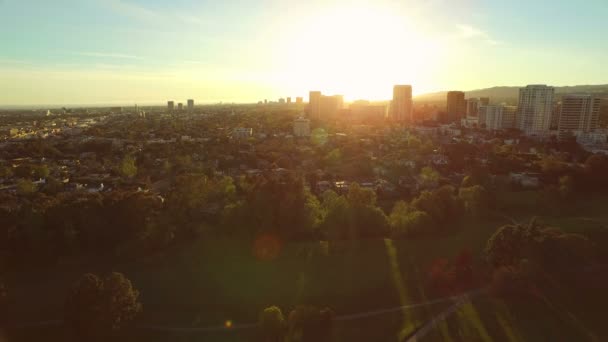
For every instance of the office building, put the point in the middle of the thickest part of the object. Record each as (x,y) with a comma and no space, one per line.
(180,106)
(314,103)
(330,105)
(557,109)
(281,101)
(473,105)
(456,108)
(301,127)
(170,105)
(491,117)
(190,105)
(289,100)
(578,113)
(299,100)
(402,105)
(509,116)
(534,109)
(364,111)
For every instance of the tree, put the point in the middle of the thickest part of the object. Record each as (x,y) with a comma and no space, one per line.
(566,187)
(310,324)
(6,171)
(95,307)
(405,223)
(548,247)
(272,325)
(596,168)
(40,171)
(428,177)
(444,207)
(475,200)
(127,167)
(361,196)
(26,187)
(23,171)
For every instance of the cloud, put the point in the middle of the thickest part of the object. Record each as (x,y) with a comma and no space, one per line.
(107,55)
(470,32)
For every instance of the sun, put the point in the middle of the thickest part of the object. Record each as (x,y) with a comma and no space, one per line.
(360,52)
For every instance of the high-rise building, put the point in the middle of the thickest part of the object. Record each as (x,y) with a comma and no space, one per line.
(170,105)
(402,105)
(457,105)
(491,117)
(281,101)
(509,115)
(534,109)
(330,105)
(301,127)
(289,100)
(314,102)
(299,100)
(364,111)
(473,105)
(190,104)
(180,106)
(484,101)
(578,113)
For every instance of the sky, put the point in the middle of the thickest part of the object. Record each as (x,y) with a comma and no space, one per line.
(151,51)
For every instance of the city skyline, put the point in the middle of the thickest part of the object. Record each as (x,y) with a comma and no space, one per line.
(144,51)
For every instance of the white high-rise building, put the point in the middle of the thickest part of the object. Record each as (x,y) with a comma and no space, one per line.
(535,108)
(491,117)
(579,113)
(402,105)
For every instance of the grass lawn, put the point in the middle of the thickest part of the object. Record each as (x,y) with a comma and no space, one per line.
(211,281)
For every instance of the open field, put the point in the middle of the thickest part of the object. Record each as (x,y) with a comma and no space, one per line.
(209,282)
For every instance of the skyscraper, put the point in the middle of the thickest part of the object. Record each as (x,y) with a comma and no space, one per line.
(190,104)
(289,100)
(170,105)
(402,110)
(578,113)
(535,107)
(330,105)
(491,117)
(509,114)
(456,106)
(180,106)
(473,105)
(314,101)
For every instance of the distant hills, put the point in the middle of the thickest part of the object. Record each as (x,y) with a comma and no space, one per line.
(510,94)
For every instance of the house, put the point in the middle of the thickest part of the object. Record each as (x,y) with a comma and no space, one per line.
(525,180)
(322,186)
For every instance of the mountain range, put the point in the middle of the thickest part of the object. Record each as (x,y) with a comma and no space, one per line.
(510,95)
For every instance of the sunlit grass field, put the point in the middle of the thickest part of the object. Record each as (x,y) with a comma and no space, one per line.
(209,282)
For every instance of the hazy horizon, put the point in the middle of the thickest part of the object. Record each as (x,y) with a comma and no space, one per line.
(150,51)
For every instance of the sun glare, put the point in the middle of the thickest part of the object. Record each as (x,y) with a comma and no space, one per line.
(359,52)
